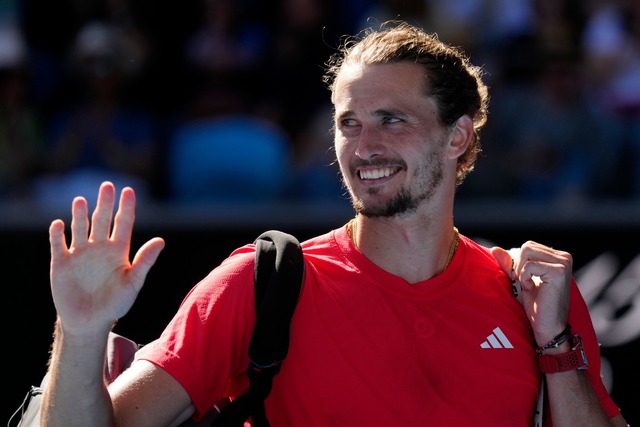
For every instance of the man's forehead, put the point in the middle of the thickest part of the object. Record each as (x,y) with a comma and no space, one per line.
(389,78)
(360,69)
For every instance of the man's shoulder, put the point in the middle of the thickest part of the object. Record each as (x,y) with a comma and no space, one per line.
(320,241)
(479,260)
(242,259)
(330,245)
(479,252)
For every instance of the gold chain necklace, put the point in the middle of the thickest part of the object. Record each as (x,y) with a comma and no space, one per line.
(453,248)
(351,231)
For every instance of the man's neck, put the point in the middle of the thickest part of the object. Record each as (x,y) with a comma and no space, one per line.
(413,247)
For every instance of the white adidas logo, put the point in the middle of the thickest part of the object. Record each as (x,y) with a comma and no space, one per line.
(497,340)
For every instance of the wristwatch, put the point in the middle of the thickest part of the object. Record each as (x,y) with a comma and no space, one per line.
(572,360)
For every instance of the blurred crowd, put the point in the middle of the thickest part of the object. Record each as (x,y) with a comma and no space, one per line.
(211,101)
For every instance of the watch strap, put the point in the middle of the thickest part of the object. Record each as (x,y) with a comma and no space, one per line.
(572,360)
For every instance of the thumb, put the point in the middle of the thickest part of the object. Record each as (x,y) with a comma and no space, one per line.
(504,260)
(144,260)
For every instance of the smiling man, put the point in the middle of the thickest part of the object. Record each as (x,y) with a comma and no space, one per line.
(402,320)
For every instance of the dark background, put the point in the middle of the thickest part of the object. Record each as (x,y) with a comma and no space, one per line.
(196,242)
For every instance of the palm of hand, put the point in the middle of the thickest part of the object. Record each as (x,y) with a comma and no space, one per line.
(93,282)
(92,285)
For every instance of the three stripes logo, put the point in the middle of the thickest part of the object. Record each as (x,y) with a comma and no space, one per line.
(497,340)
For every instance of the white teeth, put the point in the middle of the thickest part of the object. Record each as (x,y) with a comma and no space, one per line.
(375,173)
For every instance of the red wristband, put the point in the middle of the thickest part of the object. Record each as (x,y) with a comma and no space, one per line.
(572,360)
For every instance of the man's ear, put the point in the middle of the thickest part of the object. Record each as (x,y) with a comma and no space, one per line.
(460,137)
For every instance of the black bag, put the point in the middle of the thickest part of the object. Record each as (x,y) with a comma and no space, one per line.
(278,276)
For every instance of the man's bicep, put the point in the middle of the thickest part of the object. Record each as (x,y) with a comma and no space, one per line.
(146,395)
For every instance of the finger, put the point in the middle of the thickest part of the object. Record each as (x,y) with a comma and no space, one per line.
(79,222)
(538,252)
(530,281)
(144,260)
(536,259)
(517,261)
(125,217)
(57,240)
(101,219)
(504,260)
(537,274)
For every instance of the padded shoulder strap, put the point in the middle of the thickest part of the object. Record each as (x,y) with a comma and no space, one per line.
(278,276)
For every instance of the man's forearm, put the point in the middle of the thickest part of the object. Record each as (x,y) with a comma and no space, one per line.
(573,401)
(76,394)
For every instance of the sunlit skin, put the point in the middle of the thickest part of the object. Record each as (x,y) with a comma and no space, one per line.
(398,162)
(389,142)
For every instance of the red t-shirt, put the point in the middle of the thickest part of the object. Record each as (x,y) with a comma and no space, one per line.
(367,347)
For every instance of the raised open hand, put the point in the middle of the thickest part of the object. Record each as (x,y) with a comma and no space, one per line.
(545,276)
(93,283)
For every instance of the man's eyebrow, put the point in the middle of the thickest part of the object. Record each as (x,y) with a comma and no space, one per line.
(378,113)
(339,115)
(390,112)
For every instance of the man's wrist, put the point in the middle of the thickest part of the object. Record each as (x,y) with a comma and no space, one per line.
(564,353)
(557,342)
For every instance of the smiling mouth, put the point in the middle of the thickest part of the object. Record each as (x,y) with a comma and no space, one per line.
(377,173)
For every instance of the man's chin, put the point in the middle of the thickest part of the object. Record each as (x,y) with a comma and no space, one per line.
(397,207)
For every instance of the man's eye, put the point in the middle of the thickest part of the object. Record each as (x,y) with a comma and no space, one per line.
(348,122)
(391,119)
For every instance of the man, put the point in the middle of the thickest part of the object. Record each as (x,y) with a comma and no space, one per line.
(401,320)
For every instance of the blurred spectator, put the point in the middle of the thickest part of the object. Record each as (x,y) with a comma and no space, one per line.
(273,53)
(304,37)
(230,46)
(228,158)
(226,146)
(552,142)
(611,41)
(20,133)
(559,147)
(100,137)
(417,12)
(229,40)
(559,24)
(305,34)
(316,171)
(224,151)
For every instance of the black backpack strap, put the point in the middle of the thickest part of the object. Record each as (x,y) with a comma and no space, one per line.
(278,275)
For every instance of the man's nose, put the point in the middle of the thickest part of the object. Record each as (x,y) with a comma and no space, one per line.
(370,142)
